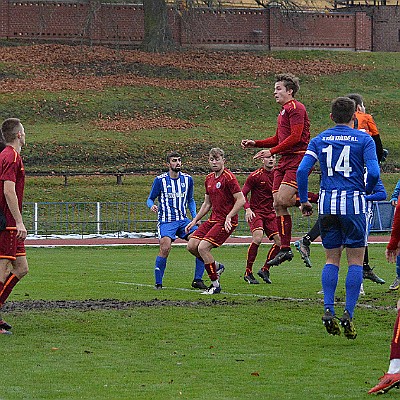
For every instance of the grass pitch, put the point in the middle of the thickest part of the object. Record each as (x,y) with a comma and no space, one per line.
(89,325)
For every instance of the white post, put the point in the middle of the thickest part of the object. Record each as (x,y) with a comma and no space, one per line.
(36,218)
(98,218)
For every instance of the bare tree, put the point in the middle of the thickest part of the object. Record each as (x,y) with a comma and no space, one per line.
(157,34)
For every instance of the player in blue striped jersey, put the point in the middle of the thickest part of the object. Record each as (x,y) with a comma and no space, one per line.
(342,152)
(174,191)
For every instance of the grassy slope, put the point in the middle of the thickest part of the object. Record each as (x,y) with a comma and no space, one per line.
(61,135)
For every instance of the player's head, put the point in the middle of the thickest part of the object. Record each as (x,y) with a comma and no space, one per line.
(12,129)
(269,162)
(216,158)
(343,109)
(286,86)
(174,161)
(358,100)
(289,82)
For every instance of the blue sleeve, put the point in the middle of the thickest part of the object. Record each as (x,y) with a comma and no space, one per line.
(154,193)
(396,192)
(372,175)
(303,171)
(191,202)
(378,194)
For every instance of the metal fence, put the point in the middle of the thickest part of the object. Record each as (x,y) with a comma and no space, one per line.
(83,218)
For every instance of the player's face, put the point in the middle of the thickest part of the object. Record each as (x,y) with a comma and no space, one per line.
(269,162)
(216,163)
(175,164)
(282,95)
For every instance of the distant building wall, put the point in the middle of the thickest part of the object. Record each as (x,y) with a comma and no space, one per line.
(369,29)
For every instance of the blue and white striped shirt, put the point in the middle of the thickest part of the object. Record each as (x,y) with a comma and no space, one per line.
(342,153)
(174,196)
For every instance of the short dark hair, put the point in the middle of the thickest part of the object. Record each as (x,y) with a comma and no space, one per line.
(171,155)
(357,98)
(216,152)
(343,109)
(9,129)
(289,81)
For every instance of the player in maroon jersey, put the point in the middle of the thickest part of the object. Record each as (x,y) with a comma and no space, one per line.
(261,217)
(13,263)
(224,198)
(290,142)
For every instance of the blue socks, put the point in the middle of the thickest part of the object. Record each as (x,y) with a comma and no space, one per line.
(354,280)
(159,269)
(329,279)
(398,266)
(199,269)
(161,264)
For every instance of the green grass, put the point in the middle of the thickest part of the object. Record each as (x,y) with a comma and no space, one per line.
(252,341)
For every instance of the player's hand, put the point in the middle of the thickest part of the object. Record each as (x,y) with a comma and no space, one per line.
(391,255)
(245,143)
(228,223)
(154,208)
(21,231)
(262,154)
(249,215)
(306,209)
(189,226)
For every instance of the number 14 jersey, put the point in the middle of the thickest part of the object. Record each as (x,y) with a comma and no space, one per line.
(342,153)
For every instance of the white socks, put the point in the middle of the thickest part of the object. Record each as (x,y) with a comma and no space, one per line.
(394,366)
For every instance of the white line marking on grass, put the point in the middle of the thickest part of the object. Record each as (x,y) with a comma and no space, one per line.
(227,293)
(260,296)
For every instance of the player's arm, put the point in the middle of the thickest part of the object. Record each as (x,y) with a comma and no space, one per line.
(395,194)
(378,194)
(392,249)
(204,209)
(154,193)
(191,202)
(294,138)
(239,203)
(268,142)
(379,146)
(12,203)
(249,214)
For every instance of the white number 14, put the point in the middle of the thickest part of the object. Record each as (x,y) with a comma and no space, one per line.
(343,162)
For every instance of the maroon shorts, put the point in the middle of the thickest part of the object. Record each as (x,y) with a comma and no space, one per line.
(286,170)
(267,223)
(10,246)
(213,232)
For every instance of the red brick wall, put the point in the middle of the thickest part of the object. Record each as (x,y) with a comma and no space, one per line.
(386,28)
(227,28)
(313,30)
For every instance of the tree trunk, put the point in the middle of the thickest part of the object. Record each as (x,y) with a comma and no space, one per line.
(157,35)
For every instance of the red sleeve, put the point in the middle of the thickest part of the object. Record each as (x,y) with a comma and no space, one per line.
(246,190)
(294,138)
(267,143)
(395,235)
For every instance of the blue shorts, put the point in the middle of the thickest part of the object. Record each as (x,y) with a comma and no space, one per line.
(343,230)
(174,229)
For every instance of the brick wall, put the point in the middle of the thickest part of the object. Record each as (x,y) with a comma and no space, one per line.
(244,28)
(71,20)
(386,28)
(314,30)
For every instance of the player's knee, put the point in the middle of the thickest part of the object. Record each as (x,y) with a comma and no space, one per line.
(191,246)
